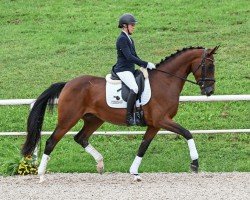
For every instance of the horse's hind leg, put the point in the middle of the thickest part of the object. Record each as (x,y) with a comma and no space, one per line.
(170,125)
(91,124)
(65,122)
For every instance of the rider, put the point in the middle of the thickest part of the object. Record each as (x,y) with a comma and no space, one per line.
(126,58)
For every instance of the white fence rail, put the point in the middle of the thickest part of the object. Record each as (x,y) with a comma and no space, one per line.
(215,98)
(136,132)
(245,97)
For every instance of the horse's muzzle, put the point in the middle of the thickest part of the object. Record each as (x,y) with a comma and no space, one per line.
(208,91)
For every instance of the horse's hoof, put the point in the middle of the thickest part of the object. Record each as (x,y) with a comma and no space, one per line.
(42,179)
(137,178)
(100,167)
(194,166)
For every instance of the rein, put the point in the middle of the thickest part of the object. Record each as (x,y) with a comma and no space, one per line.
(182,78)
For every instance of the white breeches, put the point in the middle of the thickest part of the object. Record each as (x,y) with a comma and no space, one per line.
(128,78)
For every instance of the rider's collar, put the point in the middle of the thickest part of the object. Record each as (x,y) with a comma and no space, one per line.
(127,35)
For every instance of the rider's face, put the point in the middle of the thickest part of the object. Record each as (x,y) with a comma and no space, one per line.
(131,28)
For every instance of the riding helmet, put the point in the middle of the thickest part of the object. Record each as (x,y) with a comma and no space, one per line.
(126,19)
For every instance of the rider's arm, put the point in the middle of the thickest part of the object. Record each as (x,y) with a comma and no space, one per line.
(123,46)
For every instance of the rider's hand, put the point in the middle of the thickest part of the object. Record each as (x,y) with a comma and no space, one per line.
(151,66)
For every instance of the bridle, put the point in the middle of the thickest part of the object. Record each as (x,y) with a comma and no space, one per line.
(201,82)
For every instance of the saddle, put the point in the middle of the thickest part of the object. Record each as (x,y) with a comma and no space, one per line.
(140,81)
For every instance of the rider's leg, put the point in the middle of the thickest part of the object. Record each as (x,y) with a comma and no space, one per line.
(128,79)
(130,107)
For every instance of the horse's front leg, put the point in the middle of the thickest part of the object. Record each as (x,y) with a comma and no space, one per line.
(148,137)
(170,125)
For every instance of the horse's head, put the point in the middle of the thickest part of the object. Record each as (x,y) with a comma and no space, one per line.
(203,69)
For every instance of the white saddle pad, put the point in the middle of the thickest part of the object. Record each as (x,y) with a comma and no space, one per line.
(114,97)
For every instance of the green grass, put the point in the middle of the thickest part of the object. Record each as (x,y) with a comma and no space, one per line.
(218,153)
(43,42)
(220,115)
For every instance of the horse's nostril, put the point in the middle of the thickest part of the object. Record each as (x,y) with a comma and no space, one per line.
(210,93)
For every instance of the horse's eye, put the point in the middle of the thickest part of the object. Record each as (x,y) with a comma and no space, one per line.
(210,68)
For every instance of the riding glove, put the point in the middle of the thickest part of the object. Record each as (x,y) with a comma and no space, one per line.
(150,65)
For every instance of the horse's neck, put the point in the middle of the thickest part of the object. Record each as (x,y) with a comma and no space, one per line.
(179,66)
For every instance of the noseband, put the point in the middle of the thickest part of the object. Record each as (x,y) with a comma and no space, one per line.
(201,82)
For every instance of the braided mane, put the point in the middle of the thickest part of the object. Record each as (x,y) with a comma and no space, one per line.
(177,53)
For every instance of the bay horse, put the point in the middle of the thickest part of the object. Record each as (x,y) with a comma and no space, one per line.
(84,98)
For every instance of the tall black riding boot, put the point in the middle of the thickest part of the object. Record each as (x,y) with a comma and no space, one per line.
(130,107)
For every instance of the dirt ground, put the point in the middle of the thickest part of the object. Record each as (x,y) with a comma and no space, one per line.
(121,186)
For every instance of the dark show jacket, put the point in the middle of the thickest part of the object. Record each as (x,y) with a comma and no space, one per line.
(126,55)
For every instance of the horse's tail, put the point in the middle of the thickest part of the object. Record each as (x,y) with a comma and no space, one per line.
(36,116)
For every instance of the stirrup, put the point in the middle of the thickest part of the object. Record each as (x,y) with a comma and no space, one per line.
(130,120)
(139,119)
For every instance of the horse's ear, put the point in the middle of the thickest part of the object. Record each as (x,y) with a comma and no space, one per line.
(213,50)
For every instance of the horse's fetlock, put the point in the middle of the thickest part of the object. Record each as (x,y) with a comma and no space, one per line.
(188,135)
(50,144)
(80,141)
(76,138)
